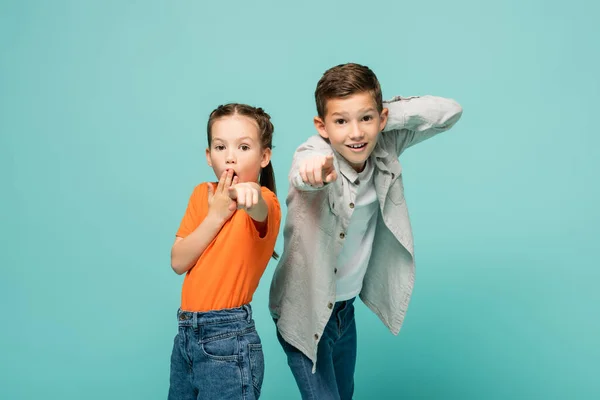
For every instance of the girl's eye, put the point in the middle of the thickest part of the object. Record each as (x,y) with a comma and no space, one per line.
(219,147)
(245,147)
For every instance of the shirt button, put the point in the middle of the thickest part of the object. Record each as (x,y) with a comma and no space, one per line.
(330,305)
(335,270)
(342,235)
(351,205)
(316,336)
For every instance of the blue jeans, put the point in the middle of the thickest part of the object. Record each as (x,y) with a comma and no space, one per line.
(336,358)
(216,355)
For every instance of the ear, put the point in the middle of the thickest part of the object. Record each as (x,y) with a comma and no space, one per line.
(320,125)
(383,118)
(208,160)
(266,158)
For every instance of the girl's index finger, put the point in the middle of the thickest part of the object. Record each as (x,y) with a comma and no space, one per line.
(221,184)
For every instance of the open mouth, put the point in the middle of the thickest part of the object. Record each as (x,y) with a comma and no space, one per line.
(357,146)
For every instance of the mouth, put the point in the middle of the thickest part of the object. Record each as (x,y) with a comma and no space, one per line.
(356,146)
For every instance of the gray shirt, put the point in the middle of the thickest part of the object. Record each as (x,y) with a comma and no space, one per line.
(303,289)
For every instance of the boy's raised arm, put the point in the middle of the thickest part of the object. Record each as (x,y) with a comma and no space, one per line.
(415,119)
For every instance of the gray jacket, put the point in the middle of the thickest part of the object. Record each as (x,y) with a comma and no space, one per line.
(303,288)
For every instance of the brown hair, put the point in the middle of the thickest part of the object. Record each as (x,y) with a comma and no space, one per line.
(345,80)
(265,129)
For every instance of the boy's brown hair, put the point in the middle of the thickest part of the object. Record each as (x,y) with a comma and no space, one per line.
(345,80)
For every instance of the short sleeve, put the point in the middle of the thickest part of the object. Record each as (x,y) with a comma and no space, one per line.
(274,214)
(195,212)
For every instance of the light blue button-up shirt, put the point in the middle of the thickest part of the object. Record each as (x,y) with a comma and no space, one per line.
(304,283)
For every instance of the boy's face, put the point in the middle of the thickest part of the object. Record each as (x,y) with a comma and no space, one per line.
(235,144)
(352,125)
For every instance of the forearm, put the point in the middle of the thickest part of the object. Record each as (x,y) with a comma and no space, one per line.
(186,252)
(260,211)
(422,113)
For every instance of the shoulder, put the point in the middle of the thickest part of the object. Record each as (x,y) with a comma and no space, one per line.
(200,191)
(269,197)
(203,187)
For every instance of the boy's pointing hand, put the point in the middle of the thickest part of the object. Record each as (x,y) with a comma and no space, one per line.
(317,171)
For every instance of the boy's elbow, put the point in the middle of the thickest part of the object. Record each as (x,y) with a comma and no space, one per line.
(454,114)
(457,110)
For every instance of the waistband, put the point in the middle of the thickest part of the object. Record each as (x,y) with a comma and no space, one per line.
(193,318)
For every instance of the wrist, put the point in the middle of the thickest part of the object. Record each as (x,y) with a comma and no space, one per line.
(215,220)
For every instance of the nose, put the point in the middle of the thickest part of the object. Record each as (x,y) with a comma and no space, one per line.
(230,159)
(355,132)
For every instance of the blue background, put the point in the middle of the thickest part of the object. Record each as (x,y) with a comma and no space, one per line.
(103,106)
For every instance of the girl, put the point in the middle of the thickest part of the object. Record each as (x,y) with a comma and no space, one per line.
(223,244)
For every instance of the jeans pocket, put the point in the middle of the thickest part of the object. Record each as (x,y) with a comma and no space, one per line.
(257,366)
(224,348)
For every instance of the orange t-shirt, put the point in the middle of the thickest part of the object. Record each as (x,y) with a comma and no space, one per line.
(227,273)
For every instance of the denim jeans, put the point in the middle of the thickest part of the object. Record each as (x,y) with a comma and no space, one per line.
(216,355)
(336,358)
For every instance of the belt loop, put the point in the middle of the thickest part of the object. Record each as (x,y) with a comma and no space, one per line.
(248,313)
(195,321)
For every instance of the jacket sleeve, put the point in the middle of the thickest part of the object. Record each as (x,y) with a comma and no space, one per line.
(413,120)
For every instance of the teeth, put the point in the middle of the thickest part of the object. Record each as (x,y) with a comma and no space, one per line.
(356,146)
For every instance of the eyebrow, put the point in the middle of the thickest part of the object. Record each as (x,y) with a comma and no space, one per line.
(361,111)
(243,138)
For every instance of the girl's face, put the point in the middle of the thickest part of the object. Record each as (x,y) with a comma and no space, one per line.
(235,144)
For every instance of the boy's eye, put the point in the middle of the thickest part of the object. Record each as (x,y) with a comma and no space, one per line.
(339,121)
(368,118)
(245,147)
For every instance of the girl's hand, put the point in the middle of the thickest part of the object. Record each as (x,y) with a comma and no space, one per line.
(246,195)
(220,203)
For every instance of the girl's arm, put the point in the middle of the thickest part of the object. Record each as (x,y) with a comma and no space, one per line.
(186,251)
(248,197)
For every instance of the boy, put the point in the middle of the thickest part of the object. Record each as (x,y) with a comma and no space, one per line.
(347,230)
